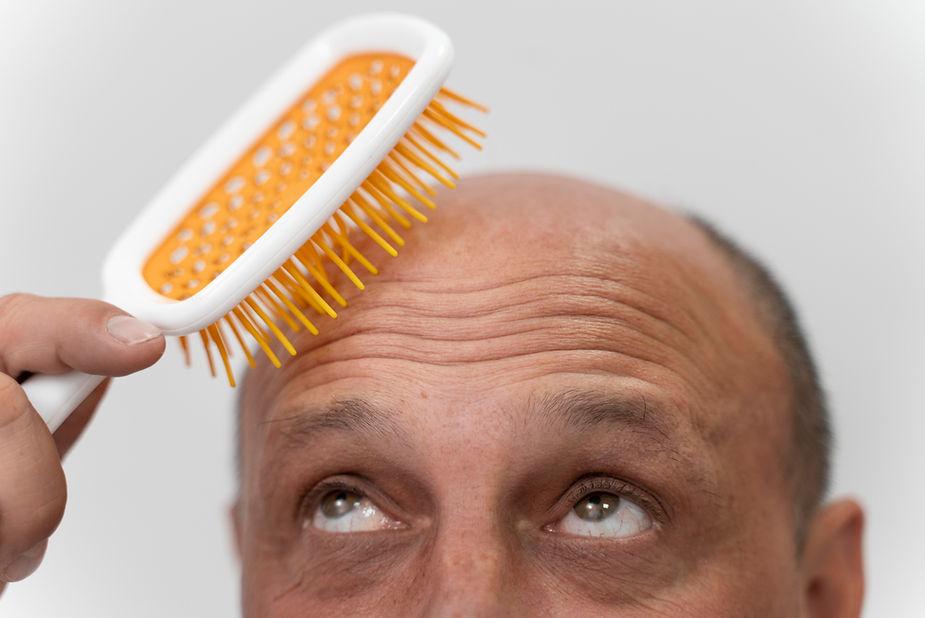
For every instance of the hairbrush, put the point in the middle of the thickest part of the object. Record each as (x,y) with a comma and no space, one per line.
(252,237)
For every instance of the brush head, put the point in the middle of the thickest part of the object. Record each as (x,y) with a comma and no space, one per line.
(259,225)
(274,173)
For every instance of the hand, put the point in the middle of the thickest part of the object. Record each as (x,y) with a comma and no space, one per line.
(52,335)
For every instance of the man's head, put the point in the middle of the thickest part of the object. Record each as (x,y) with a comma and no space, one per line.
(559,399)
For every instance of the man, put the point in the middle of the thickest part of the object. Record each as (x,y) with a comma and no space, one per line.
(559,400)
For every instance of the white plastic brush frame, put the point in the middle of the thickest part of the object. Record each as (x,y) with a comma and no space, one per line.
(124,285)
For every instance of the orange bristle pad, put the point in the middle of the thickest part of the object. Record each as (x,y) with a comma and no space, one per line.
(274,173)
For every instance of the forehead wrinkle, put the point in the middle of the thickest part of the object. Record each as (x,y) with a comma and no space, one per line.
(613,273)
(471,291)
(515,317)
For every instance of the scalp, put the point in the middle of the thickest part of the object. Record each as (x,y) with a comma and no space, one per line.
(513,265)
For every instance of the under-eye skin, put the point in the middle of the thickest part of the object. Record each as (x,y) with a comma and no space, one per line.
(336,506)
(604,508)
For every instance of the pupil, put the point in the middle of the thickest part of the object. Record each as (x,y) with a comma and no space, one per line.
(339,503)
(596,506)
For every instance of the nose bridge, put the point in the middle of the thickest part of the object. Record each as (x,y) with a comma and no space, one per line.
(471,566)
(471,558)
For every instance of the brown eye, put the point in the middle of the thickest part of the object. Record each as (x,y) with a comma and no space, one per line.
(597,506)
(338,503)
(343,510)
(603,514)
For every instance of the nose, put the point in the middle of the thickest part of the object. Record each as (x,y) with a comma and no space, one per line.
(471,573)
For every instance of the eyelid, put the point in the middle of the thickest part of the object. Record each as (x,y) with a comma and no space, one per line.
(606,483)
(357,484)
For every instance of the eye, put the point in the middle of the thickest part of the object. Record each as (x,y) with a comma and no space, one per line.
(343,510)
(602,514)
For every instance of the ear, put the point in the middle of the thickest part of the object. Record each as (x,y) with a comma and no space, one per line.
(833,569)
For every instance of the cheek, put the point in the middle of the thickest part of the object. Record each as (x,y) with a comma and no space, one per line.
(336,574)
(726,590)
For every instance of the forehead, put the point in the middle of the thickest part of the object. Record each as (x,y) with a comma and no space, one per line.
(530,283)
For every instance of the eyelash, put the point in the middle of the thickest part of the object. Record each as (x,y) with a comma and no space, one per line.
(353,483)
(594,483)
(580,489)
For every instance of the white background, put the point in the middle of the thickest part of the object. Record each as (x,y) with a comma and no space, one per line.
(799,126)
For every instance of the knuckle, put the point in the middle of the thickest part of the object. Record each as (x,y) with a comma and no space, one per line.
(11,307)
(10,304)
(9,389)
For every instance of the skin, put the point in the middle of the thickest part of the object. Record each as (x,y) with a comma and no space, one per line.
(541,337)
(540,340)
(50,335)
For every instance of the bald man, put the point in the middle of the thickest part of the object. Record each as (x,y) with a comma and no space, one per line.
(560,400)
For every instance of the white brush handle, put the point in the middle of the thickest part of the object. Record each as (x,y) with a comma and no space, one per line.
(56,396)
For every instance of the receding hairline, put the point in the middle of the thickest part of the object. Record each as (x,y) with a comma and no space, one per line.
(810,438)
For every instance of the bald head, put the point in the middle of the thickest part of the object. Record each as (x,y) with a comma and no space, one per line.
(551,339)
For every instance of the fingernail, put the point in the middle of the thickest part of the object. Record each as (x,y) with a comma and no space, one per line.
(26,564)
(131,330)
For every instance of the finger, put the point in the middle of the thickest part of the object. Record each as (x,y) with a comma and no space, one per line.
(70,429)
(52,335)
(25,564)
(32,487)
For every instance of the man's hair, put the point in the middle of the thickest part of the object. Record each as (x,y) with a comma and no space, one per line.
(808,461)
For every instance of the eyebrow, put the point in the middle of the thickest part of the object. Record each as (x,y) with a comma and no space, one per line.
(353,415)
(574,408)
(587,409)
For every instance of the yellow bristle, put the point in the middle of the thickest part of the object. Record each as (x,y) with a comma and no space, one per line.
(451,126)
(377,218)
(342,265)
(450,94)
(307,288)
(392,159)
(276,309)
(385,204)
(348,248)
(459,122)
(373,234)
(217,339)
(184,344)
(271,325)
(386,190)
(409,154)
(391,174)
(427,153)
(292,307)
(205,345)
(258,337)
(434,141)
(321,278)
(237,335)
(224,336)
(294,282)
